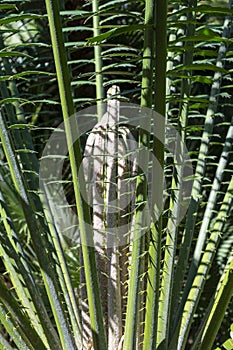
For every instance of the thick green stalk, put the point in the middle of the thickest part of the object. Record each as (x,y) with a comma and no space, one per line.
(160,57)
(152,335)
(175,203)
(150,324)
(98,60)
(88,251)
(170,251)
(201,276)
(148,55)
(133,305)
(130,337)
(168,303)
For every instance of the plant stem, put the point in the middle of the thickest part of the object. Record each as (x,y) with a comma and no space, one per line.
(98,60)
(153,284)
(83,210)
(133,305)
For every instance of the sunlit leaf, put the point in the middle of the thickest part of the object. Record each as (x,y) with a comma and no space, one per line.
(115,32)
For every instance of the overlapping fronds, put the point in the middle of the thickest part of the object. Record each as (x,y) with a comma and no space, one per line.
(57,57)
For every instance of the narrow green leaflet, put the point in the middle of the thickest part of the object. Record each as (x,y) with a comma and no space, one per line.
(115,32)
(19,17)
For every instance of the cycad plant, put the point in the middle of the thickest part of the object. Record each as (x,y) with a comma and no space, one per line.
(167,69)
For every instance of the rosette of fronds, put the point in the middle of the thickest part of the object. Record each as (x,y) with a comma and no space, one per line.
(179,277)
